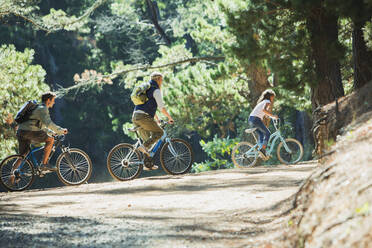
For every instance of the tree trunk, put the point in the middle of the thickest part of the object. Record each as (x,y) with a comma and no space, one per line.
(258,84)
(362,58)
(154,14)
(323,30)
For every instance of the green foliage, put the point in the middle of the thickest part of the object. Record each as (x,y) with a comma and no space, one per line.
(368,34)
(219,151)
(20,81)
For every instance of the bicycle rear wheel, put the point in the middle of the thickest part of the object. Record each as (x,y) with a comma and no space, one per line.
(290,152)
(26,174)
(124,162)
(243,155)
(176,157)
(74,167)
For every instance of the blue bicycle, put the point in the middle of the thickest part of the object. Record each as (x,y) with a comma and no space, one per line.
(74,167)
(125,162)
(289,151)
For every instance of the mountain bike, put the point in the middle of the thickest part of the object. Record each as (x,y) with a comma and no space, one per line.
(289,151)
(125,162)
(73,165)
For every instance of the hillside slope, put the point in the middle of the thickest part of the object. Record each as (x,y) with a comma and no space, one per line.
(334,206)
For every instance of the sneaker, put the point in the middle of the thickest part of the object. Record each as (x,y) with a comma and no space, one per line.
(143,149)
(47,167)
(154,167)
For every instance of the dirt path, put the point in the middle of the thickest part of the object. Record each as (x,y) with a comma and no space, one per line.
(226,208)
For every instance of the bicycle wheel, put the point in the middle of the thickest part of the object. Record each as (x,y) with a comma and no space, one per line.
(290,152)
(74,167)
(124,162)
(176,157)
(244,155)
(26,174)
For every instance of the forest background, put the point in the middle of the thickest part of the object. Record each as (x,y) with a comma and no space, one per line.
(217,58)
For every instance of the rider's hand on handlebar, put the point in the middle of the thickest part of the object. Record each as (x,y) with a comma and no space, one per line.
(170,121)
(65,131)
(275,117)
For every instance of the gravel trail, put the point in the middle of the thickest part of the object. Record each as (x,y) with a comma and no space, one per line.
(225,208)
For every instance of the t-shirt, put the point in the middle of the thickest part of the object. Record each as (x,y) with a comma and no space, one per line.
(258,110)
(158,98)
(40,114)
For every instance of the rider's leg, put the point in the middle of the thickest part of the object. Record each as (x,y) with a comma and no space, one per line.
(23,146)
(260,138)
(149,127)
(261,128)
(47,149)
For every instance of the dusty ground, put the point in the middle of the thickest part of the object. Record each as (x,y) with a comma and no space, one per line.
(226,208)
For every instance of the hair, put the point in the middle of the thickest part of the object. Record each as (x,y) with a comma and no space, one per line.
(156,75)
(47,95)
(266,95)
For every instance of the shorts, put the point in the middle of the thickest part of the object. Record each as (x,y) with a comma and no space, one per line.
(25,138)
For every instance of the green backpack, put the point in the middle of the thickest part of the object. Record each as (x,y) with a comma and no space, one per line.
(138,95)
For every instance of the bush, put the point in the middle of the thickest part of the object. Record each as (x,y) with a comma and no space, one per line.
(219,151)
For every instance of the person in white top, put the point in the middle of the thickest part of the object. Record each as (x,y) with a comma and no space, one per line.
(144,116)
(257,115)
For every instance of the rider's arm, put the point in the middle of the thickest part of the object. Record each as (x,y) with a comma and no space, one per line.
(159,100)
(268,113)
(44,117)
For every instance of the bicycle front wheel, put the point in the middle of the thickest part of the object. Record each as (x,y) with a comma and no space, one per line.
(24,178)
(124,162)
(290,151)
(74,167)
(244,155)
(176,157)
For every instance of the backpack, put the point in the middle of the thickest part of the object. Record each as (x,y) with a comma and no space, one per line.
(25,111)
(138,95)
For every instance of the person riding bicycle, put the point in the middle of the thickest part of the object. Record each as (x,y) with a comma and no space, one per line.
(36,130)
(256,118)
(144,114)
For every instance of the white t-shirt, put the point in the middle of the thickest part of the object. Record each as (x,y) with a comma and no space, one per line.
(258,110)
(159,98)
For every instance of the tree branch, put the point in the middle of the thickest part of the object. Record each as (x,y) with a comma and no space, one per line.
(149,67)
(39,23)
(92,81)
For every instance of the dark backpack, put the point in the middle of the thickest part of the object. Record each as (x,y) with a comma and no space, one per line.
(25,111)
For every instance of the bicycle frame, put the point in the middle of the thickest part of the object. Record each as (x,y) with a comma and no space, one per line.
(164,139)
(31,157)
(274,138)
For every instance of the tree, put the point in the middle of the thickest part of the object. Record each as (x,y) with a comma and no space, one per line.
(359,11)
(20,81)
(296,40)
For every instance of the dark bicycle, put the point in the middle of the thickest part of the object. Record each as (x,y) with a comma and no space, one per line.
(125,162)
(74,167)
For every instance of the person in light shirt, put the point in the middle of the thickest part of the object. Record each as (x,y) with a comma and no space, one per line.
(257,115)
(144,116)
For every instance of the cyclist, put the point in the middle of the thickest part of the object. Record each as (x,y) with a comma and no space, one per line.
(37,129)
(257,115)
(144,114)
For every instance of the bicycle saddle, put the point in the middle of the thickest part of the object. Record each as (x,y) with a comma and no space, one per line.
(250,130)
(133,129)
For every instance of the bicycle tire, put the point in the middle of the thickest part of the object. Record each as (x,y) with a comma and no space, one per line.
(283,155)
(81,172)
(243,161)
(116,163)
(5,177)
(180,165)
